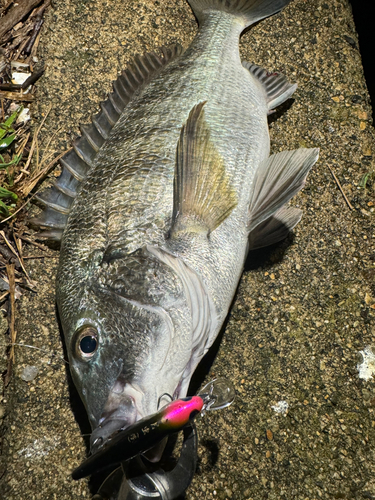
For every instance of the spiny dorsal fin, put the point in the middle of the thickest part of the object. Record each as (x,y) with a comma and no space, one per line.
(203,196)
(277,180)
(77,162)
(276,85)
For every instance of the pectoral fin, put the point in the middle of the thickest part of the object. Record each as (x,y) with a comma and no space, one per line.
(203,311)
(277,180)
(203,196)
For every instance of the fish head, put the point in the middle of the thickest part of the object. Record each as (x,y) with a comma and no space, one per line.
(128,347)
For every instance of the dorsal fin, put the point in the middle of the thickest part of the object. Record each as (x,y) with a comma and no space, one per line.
(77,161)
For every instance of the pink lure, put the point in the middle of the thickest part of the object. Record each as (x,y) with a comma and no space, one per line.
(178,413)
(142,435)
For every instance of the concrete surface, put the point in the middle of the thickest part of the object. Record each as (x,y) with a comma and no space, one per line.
(303,310)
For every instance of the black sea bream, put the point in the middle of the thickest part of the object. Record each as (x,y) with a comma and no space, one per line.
(157,208)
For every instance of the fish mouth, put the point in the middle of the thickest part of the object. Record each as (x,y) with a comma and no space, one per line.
(120,411)
(111,423)
(114,422)
(126,404)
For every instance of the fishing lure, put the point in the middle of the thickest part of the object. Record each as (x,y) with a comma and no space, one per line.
(147,432)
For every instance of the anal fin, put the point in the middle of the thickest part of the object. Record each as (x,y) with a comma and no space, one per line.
(274,229)
(203,196)
(277,180)
(276,85)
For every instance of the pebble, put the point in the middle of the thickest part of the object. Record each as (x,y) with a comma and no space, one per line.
(269,434)
(29,373)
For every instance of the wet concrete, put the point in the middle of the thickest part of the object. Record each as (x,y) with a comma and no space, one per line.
(303,310)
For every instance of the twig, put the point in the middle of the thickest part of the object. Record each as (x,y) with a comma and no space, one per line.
(4,295)
(34,35)
(8,244)
(38,14)
(23,145)
(33,243)
(340,188)
(13,334)
(20,49)
(16,14)
(19,257)
(38,257)
(34,49)
(19,153)
(15,96)
(18,210)
(35,138)
(34,181)
(8,254)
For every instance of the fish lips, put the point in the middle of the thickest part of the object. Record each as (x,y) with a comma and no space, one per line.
(110,426)
(127,402)
(119,413)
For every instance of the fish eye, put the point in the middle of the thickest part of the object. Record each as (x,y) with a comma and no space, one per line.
(86,343)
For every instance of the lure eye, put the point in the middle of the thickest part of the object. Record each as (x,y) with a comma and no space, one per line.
(87,342)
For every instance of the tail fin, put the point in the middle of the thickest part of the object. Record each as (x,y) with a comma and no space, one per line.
(250,10)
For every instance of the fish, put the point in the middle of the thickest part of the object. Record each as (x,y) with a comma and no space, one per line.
(156,209)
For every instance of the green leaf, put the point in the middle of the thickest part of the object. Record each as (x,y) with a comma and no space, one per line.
(7,141)
(3,208)
(14,161)
(5,127)
(363,181)
(5,130)
(4,193)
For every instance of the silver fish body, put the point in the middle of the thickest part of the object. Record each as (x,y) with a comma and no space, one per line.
(156,237)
